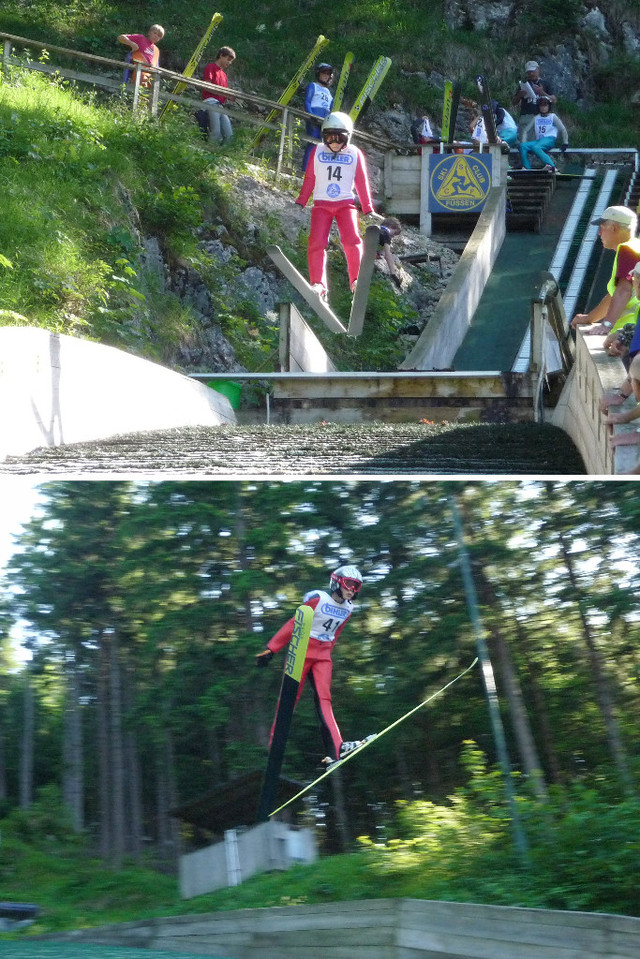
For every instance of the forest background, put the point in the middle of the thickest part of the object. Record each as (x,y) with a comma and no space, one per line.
(144,605)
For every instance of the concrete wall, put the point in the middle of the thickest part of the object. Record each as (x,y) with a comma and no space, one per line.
(270,845)
(60,389)
(450,321)
(382,929)
(578,413)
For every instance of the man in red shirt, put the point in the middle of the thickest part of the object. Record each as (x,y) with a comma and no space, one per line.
(219,123)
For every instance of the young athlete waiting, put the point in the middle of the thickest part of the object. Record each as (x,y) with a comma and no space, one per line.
(331,609)
(335,173)
(318,100)
(547,127)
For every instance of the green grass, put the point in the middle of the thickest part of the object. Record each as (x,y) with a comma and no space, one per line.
(84,181)
(582,855)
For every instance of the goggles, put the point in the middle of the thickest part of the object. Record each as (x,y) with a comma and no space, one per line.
(332,136)
(352,584)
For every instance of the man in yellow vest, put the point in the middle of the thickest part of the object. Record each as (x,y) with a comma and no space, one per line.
(618,227)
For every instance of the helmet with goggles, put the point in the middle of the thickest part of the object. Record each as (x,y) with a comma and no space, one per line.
(338,125)
(347,577)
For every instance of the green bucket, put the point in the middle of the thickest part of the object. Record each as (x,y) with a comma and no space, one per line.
(229,388)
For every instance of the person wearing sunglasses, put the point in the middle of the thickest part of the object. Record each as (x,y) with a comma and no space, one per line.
(335,174)
(332,608)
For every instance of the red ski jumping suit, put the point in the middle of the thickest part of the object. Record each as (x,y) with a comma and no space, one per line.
(329,619)
(333,178)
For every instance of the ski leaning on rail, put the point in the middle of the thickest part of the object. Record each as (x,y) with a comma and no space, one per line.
(191,66)
(342,81)
(450,111)
(371,739)
(488,115)
(371,86)
(296,653)
(291,89)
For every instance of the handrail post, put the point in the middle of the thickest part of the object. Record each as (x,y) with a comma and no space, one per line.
(283,134)
(136,87)
(155,94)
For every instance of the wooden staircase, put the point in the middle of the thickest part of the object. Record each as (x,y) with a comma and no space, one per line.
(529,193)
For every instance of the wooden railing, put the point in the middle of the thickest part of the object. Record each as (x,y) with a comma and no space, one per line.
(255,107)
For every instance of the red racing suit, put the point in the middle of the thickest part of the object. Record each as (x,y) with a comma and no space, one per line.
(334,179)
(329,618)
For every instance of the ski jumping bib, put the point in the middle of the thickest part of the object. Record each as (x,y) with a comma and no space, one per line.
(335,174)
(319,100)
(545,127)
(328,615)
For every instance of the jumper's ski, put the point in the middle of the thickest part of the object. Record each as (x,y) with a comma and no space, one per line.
(371,86)
(317,304)
(371,739)
(488,115)
(296,652)
(294,83)
(361,295)
(190,68)
(342,81)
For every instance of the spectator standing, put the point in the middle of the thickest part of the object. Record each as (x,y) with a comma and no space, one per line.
(618,226)
(631,438)
(526,97)
(220,129)
(143,49)
(390,227)
(628,355)
(318,100)
(547,127)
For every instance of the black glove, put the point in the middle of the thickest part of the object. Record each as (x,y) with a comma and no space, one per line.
(563,147)
(263,659)
(395,279)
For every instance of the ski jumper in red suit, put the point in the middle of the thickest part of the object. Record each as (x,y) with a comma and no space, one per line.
(329,618)
(333,178)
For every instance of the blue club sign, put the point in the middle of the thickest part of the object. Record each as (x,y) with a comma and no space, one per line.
(459,182)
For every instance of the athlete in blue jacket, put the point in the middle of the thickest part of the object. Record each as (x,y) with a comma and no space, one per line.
(318,100)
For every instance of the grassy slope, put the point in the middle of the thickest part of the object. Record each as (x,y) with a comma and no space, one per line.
(273,38)
(78,173)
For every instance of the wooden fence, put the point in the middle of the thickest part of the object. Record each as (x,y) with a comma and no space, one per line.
(251,108)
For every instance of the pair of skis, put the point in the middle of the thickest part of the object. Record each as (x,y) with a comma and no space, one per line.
(338,764)
(191,66)
(320,307)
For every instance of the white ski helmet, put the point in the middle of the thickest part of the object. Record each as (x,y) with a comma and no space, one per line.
(338,123)
(346,576)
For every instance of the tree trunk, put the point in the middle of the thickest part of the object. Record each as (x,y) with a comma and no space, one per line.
(117,754)
(517,709)
(104,785)
(27,745)
(72,750)
(604,694)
